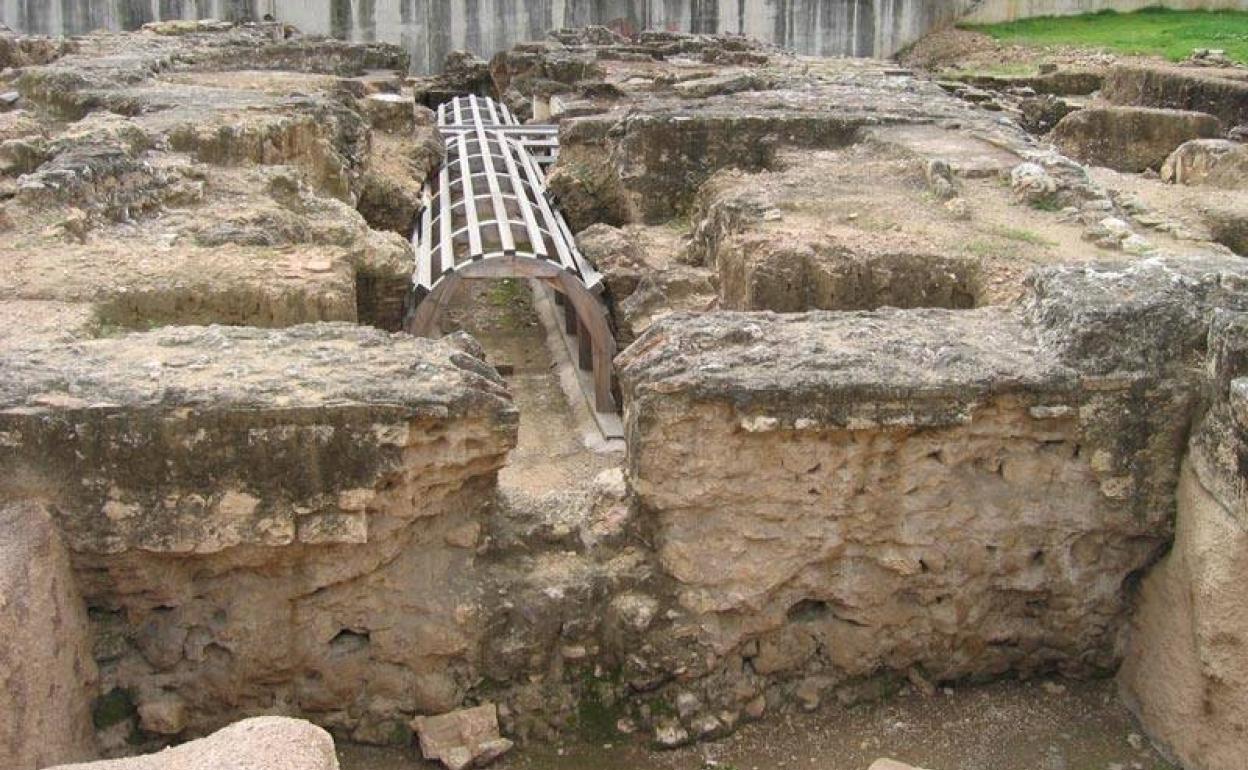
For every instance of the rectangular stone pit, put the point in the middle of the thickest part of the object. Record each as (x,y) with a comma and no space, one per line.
(265,520)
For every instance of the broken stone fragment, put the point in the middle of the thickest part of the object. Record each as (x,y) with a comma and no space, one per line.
(1031,183)
(463,738)
(1208,162)
(393,113)
(891,764)
(165,715)
(262,743)
(670,735)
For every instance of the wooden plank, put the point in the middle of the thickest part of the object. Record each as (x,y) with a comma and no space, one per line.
(502,221)
(536,240)
(424,250)
(584,346)
(469,200)
(569,314)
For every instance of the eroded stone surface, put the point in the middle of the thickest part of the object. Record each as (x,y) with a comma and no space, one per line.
(1220,92)
(1185,665)
(263,517)
(1130,138)
(236,183)
(843,491)
(46,665)
(1208,162)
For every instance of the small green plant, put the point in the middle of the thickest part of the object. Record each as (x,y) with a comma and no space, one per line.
(597,709)
(983,249)
(1047,203)
(509,295)
(1021,235)
(115,706)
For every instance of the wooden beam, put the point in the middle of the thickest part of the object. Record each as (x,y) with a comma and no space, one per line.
(569,314)
(584,347)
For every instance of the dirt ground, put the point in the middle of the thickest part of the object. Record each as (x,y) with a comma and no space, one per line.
(1002,726)
(550,455)
(959,50)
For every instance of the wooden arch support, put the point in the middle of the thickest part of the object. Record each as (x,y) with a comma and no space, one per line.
(487,214)
(591,315)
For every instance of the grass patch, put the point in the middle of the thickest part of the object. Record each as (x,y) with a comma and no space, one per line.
(1022,236)
(511,297)
(1150,32)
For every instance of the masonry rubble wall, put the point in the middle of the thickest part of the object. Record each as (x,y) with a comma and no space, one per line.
(1186,665)
(964,494)
(260,520)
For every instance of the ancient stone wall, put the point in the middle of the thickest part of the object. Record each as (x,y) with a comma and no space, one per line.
(47,674)
(280,521)
(965,493)
(1185,669)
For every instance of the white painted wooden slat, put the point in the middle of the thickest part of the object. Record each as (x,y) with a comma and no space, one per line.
(501,220)
(537,242)
(446,253)
(424,251)
(469,199)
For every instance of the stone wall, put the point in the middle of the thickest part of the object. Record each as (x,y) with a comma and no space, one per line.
(966,492)
(1187,662)
(47,675)
(264,521)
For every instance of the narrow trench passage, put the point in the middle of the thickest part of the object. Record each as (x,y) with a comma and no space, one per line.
(551,455)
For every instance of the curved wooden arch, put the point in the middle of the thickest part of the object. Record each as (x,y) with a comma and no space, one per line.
(488,215)
(593,325)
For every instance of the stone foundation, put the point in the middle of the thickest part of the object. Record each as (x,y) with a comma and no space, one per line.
(246,541)
(1186,665)
(968,493)
(46,668)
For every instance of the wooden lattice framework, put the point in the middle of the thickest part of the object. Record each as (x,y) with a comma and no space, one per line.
(464,114)
(487,215)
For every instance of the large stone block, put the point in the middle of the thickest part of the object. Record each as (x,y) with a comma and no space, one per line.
(1130,139)
(47,675)
(1186,665)
(1210,163)
(1219,92)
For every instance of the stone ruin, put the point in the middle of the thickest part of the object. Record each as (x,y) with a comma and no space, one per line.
(907,395)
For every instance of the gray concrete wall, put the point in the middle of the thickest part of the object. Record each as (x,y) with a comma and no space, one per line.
(431,28)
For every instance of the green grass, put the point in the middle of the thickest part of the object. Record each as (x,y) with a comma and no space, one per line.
(1153,31)
(1021,235)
